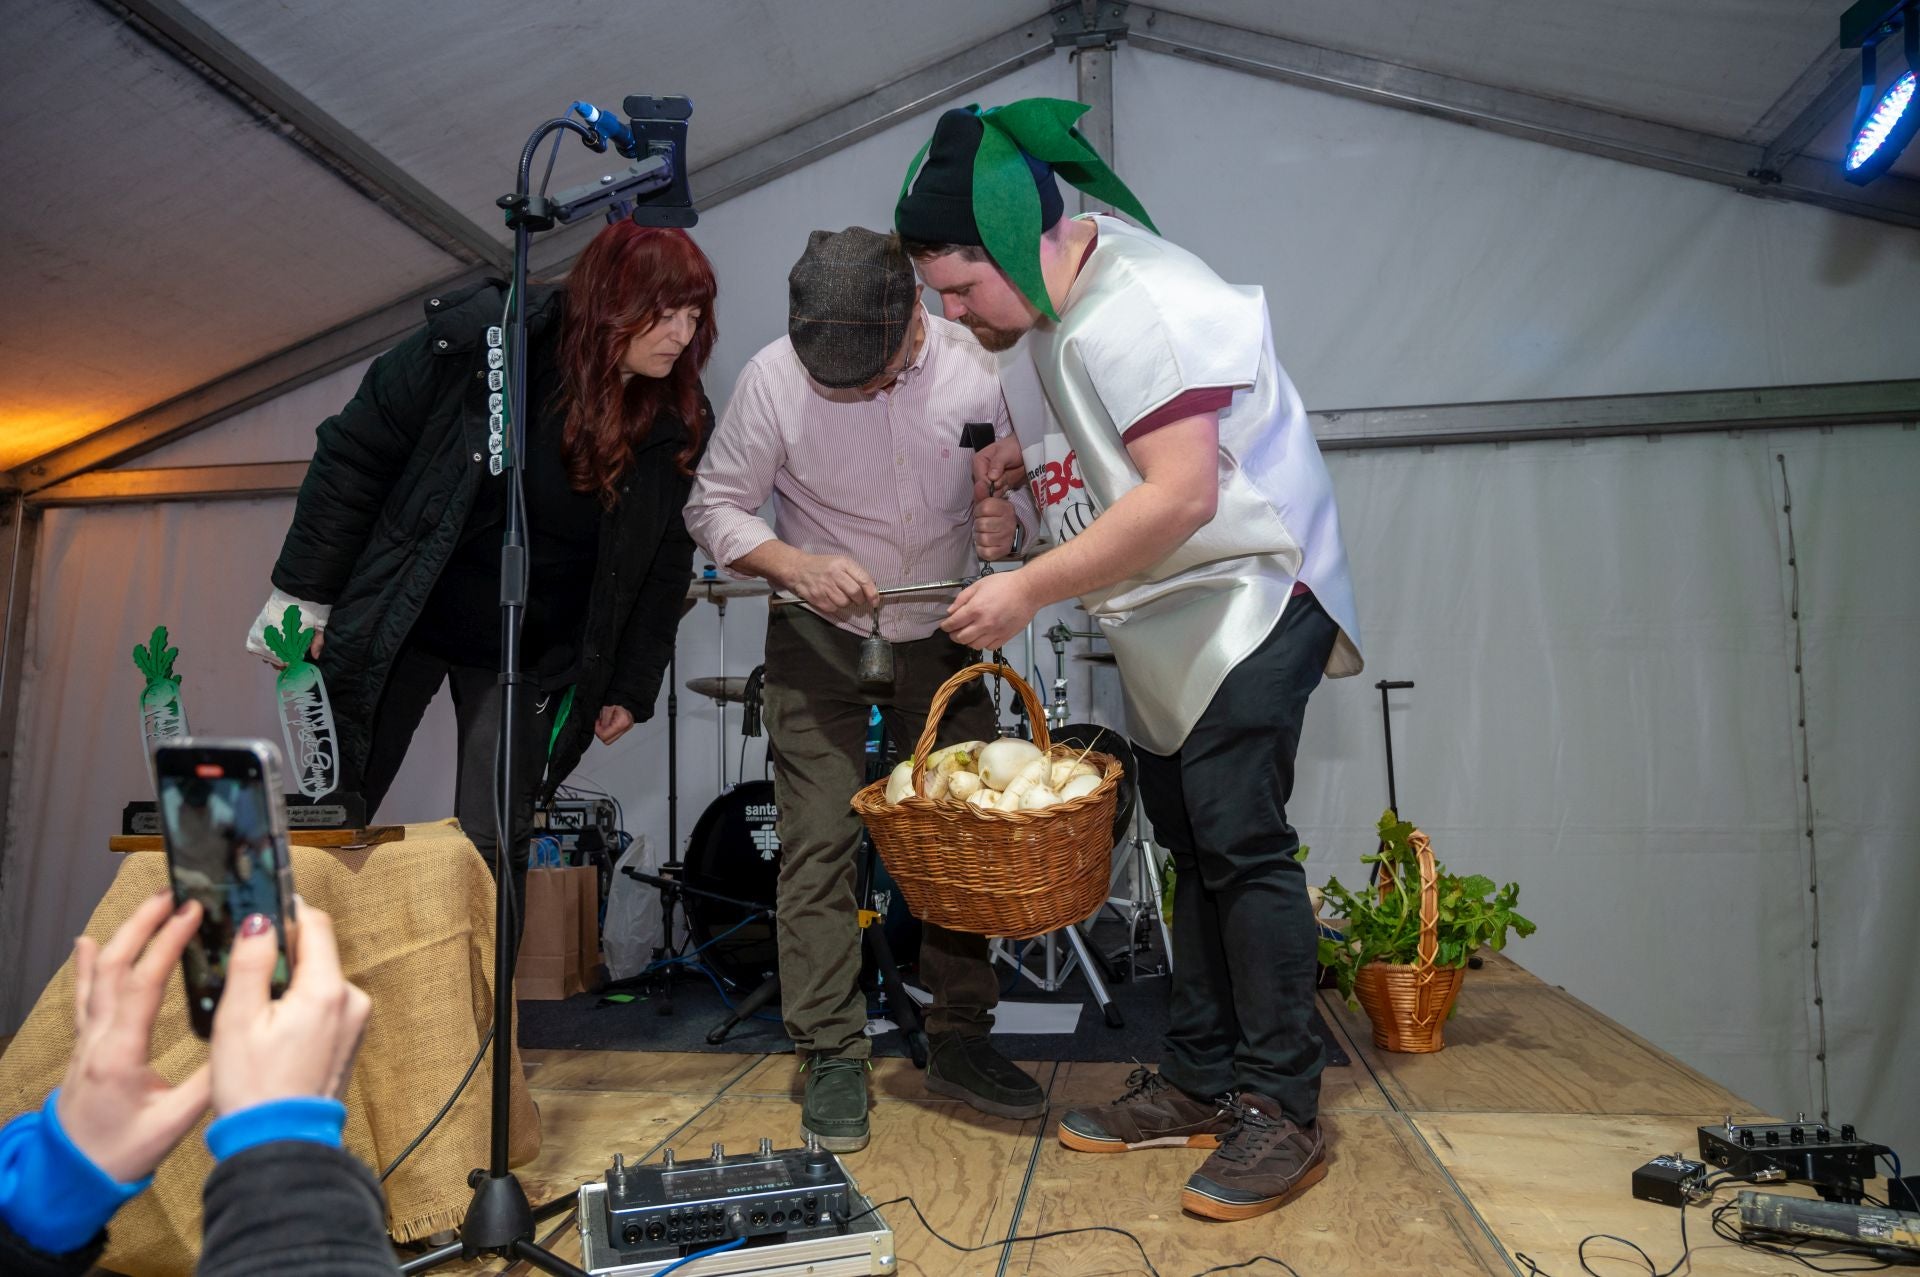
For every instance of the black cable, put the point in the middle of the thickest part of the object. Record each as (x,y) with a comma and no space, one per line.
(552,155)
(1532,1266)
(427,1130)
(1058,1232)
(1686,1250)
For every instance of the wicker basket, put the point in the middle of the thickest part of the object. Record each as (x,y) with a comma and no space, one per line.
(1409,1003)
(1016,874)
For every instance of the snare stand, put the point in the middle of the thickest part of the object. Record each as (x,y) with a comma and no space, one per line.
(873,931)
(1083,957)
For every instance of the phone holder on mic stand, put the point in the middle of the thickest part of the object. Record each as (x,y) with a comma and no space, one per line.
(653,192)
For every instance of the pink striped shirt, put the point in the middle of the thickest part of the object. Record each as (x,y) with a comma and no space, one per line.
(883,481)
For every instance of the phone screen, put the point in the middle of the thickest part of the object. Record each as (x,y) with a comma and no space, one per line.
(225,836)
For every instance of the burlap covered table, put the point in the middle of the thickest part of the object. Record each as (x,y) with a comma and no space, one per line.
(415,924)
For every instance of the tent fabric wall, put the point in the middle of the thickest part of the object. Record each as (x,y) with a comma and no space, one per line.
(1603,650)
(1600,633)
(1413,261)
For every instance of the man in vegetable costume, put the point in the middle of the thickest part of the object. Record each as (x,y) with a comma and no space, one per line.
(854,423)
(1194,519)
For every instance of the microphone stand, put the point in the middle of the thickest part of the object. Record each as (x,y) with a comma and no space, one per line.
(500,1220)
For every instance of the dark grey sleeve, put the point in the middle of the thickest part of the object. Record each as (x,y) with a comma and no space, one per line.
(295,1209)
(17,1259)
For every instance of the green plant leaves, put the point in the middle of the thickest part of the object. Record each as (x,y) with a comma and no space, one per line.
(1473,914)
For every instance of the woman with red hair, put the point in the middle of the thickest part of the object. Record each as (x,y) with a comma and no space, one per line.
(394,552)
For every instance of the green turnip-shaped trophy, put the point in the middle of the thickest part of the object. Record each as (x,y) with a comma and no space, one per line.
(162,717)
(306,716)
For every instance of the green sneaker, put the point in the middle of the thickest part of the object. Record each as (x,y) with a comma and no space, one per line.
(835,1108)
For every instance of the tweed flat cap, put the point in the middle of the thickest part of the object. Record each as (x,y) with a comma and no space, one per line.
(850,301)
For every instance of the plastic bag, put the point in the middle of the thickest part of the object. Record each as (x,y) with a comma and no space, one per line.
(632,928)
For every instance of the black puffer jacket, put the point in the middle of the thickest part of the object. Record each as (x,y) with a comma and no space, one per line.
(393,480)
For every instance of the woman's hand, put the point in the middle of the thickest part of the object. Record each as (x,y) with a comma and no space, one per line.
(113,1105)
(613,723)
(299,1046)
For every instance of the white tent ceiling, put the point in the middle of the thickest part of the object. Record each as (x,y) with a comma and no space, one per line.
(179,231)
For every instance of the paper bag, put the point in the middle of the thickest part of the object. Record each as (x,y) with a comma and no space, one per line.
(561,944)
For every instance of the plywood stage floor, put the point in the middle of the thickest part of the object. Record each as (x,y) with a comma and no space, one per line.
(1518,1138)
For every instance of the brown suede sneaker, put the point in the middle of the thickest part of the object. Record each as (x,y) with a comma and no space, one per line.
(1154,1113)
(1263,1163)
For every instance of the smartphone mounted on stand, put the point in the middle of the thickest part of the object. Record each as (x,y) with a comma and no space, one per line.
(224,823)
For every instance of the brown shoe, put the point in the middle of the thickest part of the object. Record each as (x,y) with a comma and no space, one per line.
(1263,1163)
(1154,1113)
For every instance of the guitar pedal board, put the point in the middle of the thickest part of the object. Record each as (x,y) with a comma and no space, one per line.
(1834,1161)
(788,1210)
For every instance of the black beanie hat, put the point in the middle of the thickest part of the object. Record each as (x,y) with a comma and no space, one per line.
(938,209)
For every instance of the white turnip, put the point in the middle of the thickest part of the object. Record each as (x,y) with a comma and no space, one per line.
(1079,786)
(900,783)
(1001,761)
(1037,797)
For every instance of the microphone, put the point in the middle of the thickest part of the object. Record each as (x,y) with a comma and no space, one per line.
(610,125)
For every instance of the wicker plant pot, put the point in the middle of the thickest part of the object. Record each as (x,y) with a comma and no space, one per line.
(1016,874)
(1408,1003)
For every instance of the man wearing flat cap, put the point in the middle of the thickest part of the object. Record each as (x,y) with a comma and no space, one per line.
(1194,519)
(853,422)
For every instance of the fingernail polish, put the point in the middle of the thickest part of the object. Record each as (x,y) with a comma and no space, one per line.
(255,924)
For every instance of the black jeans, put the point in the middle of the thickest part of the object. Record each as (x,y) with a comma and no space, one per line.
(412,684)
(1244,940)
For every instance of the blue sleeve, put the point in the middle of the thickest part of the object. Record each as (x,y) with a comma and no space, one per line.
(51,1194)
(314,1120)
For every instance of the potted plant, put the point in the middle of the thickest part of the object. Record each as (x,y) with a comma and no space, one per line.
(1407,942)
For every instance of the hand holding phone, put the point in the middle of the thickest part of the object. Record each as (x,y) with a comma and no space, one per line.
(298,1046)
(225,826)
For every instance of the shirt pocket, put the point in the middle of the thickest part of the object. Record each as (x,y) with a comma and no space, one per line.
(946,485)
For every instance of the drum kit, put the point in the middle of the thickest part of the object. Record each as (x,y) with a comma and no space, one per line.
(726,885)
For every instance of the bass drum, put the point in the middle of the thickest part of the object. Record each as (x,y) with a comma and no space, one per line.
(1104,740)
(735,852)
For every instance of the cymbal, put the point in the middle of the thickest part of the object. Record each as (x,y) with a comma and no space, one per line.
(730,688)
(1096,658)
(711,588)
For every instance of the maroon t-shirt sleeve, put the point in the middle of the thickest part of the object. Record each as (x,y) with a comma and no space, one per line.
(1188,403)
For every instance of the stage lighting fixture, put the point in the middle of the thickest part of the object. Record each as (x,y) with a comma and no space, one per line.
(1884,122)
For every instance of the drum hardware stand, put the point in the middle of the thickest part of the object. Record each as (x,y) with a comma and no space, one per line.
(671,867)
(1147,892)
(873,933)
(1060,635)
(1055,974)
(720,601)
(1386,724)
(1083,957)
(672,889)
(1140,865)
